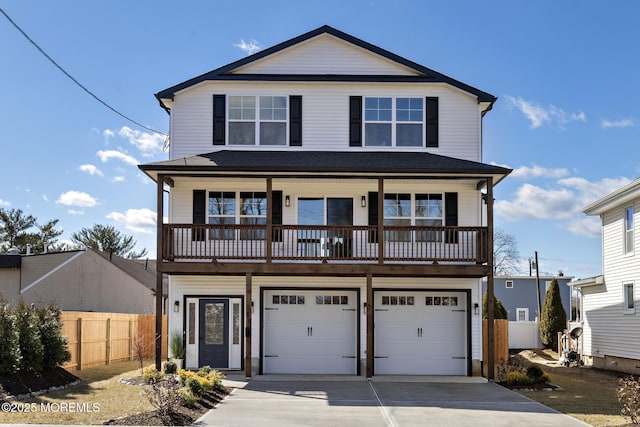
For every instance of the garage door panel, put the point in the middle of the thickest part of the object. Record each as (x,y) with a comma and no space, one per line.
(422,337)
(317,335)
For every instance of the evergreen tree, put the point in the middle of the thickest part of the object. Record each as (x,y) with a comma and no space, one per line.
(498,309)
(9,345)
(31,348)
(107,239)
(553,318)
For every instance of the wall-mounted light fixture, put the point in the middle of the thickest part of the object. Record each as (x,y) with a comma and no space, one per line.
(287,201)
(363,201)
(252,305)
(176,306)
(476,308)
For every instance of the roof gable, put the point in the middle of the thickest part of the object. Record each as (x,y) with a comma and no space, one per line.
(264,65)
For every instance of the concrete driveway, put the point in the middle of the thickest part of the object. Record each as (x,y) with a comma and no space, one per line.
(382,401)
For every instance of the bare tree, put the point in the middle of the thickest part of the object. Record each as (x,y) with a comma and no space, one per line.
(505,253)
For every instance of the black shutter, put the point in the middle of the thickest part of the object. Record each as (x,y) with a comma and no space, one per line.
(199,213)
(355,121)
(295,120)
(373,215)
(451,216)
(432,121)
(219,109)
(276,217)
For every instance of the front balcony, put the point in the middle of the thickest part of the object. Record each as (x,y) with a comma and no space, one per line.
(336,245)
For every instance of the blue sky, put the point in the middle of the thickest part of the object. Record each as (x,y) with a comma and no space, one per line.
(566,75)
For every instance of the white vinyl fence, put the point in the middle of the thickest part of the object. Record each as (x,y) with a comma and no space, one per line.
(524,335)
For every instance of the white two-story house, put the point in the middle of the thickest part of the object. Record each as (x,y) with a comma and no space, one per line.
(609,303)
(328,213)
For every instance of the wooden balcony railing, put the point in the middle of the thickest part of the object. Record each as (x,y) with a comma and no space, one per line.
(308,243)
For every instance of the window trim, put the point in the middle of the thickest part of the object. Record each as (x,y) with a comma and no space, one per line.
(507,283)
(401,237)
(257,120)
(237,216)
(526,314)
(394,122)
(626,309)
(628,240)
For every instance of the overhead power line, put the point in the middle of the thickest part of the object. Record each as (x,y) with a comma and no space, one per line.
(93,95)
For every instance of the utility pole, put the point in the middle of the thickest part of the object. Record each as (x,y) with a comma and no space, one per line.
(538,288)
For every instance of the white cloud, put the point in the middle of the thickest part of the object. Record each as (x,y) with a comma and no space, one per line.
(148,143)
(563,203)
(45,197)
(107,133)
(106,155)
(118,179)
(4,203)
(539,115)
(75,212)
(623,123)
(76,198)
(250,47)
(535,171)
(91,170)
(136,220)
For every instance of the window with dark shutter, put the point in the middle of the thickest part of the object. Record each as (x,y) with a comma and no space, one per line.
(451,216)
(295,120)
(432,121)
(373,215)
(219,119)
(199,214)
(276,218)
(355,121)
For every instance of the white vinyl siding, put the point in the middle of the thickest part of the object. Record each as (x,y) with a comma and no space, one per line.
(325,116)
(326,55)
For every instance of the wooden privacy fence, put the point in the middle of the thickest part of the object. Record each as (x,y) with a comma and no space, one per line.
(102,338)
(500,343)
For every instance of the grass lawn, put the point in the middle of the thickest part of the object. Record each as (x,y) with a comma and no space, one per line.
(586,394)
(96,399)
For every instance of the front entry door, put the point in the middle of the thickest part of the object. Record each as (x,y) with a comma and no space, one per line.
(339,213)
(214,333)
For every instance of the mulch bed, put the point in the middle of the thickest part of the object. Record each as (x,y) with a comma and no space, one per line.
(23,383)
(182,417)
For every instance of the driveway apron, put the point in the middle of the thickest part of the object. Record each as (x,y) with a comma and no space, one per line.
(386,402)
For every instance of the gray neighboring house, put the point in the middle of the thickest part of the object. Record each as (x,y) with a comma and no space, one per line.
(519,297)
(83,280)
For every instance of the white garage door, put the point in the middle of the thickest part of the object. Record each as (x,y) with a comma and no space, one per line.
(420,333)
(310,332)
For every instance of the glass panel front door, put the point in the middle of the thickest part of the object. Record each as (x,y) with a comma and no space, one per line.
(214,333)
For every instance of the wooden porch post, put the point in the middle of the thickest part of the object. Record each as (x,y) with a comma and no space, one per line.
(269,236)
(490,293)
(380,221)
(369,313)
(159,241)
(247,326)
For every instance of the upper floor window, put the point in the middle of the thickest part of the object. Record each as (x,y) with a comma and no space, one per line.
(628,230)
(393,122)
(257,120)
(508,284)
(522,314)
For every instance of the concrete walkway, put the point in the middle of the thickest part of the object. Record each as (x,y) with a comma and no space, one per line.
(394,401)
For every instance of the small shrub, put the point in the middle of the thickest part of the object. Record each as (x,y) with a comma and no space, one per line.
(195,386)
(151,375)
(53,343)
(170,368)
(216,378)
(535,373)
(188,399)
(205,370)
(9,340)
(165,395)
(628,393)
(31,348)
(518,378)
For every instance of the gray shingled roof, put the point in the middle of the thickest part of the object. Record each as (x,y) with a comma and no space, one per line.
(373,162)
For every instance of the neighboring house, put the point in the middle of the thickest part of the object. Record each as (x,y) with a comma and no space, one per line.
(318,187)
(519,297)
(610,311)
(84,280)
